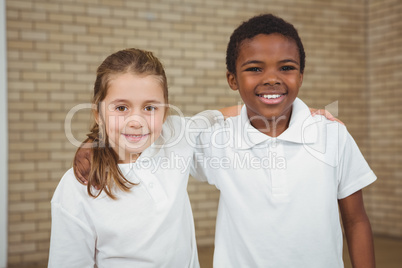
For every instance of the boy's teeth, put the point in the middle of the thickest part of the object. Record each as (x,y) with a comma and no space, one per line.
(271,96)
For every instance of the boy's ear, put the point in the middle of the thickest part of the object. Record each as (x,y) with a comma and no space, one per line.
(301,80)
(231,78)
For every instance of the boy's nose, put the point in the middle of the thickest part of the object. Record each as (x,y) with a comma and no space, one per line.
(271,79)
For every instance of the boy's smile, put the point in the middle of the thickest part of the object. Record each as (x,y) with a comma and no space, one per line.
(268,78)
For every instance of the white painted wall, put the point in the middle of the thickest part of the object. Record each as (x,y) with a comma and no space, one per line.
(3,137)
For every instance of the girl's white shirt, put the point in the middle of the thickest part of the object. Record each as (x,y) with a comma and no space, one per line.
(150,226)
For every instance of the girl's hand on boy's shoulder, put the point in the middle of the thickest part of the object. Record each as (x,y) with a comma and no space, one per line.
(230,111)
(325,113)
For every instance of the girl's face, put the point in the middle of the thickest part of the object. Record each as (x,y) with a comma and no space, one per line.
(268,78)
(133,112)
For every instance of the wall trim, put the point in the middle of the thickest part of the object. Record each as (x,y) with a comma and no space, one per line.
(3,138)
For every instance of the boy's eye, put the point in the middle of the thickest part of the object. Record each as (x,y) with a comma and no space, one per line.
(121,108)
(149,108)
(253,69)
(287,68)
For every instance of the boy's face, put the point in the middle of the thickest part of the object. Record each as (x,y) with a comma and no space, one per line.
(268,78)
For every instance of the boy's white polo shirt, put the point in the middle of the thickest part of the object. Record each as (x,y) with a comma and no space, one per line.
(279,196)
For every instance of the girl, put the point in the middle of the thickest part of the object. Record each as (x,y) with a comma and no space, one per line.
(137,216)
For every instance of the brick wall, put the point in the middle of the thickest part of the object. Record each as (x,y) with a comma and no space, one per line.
(385,80)
(55,46)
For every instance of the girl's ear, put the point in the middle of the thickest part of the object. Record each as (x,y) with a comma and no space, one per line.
(96,114)
(231,78)
(167,112)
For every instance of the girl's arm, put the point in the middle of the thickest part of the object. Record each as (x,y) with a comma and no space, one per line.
(72,243)
(358,231)
(235,111)
(82,159)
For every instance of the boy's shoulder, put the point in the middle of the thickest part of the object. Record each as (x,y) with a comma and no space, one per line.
(302,119)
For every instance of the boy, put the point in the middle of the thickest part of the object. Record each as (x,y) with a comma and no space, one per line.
(284,172)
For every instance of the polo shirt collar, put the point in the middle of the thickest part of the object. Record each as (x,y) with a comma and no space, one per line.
(302,128)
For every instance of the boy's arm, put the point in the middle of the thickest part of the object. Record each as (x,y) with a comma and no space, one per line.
(357,230)
(235,111)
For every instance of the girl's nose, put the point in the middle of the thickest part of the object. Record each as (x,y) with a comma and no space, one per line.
(134,121)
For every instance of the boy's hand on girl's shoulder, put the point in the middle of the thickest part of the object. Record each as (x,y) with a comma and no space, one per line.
(325,113)
(82,163)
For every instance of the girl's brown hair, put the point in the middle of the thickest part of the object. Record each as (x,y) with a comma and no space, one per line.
(105,172)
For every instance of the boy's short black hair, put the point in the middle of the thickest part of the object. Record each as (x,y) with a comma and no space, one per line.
(262,24)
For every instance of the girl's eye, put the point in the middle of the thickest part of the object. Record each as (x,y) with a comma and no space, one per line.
(253,69)
(287,68)
(121,108)
(149,108)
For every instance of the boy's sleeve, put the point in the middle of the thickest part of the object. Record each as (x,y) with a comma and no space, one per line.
(72,241)
(354,171)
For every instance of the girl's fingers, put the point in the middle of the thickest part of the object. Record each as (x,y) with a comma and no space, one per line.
(325,113)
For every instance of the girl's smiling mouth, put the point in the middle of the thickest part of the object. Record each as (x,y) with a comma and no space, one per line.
(134,137)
